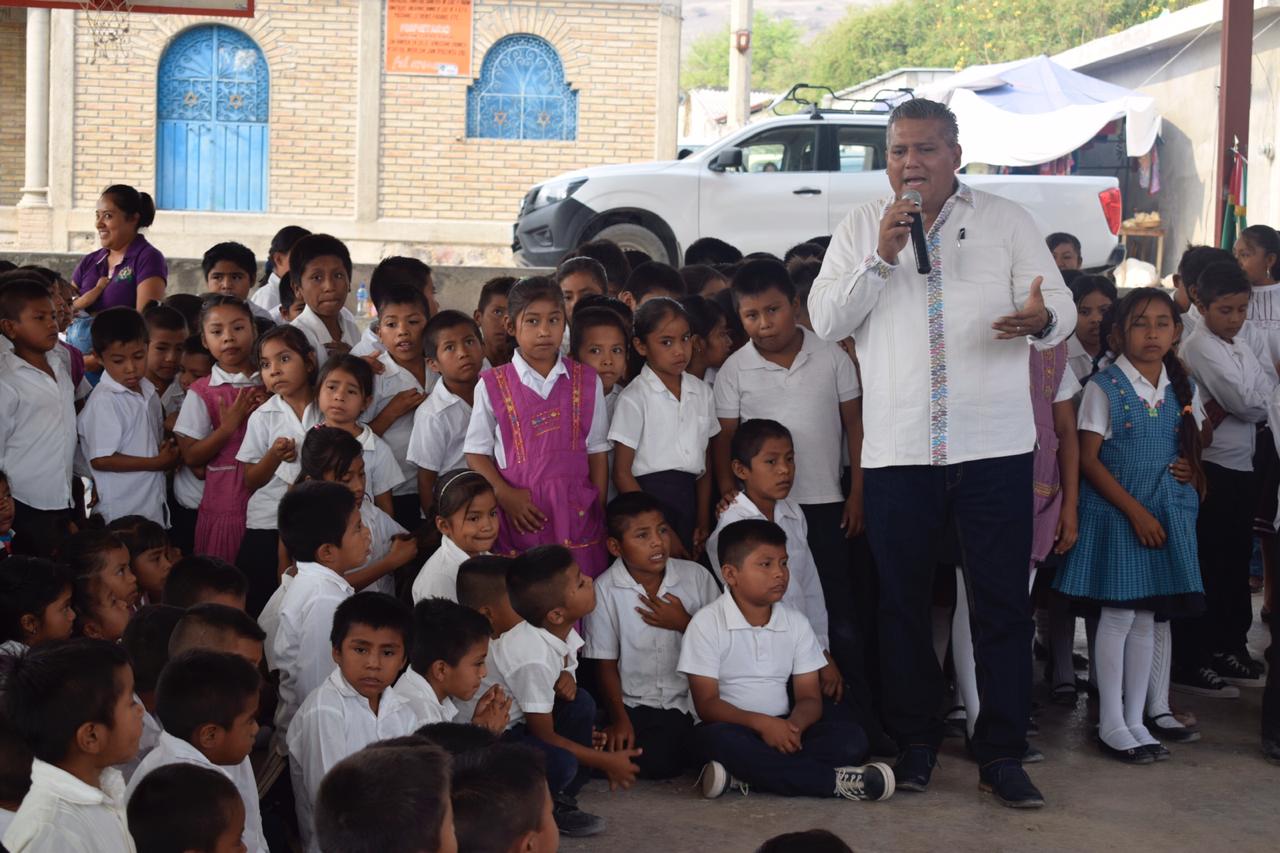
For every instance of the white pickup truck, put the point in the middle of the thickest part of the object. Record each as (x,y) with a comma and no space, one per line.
(771,185)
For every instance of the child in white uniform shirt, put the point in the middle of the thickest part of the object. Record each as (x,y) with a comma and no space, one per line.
(186,807)
(663,423)
(121,425)
(447,662)
(229,268)
(644,602)
(599,336)
(37,416)
(58,697)
(15,773)
(188,488)
(390,273)
(167,334)
(208,703)
(1094,295)
(320,269)
(764,462)
(344,392)
(402,386)
(272,441)
(1228,372)
(740,653)
(466,513)
(321,527)
(453,349)
(356,705)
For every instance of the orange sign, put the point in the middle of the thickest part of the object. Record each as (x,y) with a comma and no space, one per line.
(429,37)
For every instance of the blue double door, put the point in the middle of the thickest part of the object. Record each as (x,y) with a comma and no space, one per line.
(213,104)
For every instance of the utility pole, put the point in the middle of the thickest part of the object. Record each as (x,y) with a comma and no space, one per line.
(739,62)
(1233,95)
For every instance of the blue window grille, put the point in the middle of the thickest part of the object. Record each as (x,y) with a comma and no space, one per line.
(212,102)
(522,94)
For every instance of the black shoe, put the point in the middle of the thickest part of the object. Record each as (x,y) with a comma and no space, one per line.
(1157,751)
(1010,784)
(1175,732)
(1065,694)
(1079,661)
(1033,727)
(1271,749)
(573,822)
(1255,666)
(1235,671)
(1040,650)
(1203,681)
(1137,755)
(882,744)
(914,768)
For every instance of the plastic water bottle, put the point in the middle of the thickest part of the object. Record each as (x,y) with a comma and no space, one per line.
(362,300)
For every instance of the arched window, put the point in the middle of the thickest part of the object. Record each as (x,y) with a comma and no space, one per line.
(212,103)
(521,93)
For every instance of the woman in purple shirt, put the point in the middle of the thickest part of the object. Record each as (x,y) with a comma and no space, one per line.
(127,270)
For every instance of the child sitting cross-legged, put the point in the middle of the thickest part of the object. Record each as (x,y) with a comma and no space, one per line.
(73,704)
(186,808)
(644,602)
(208,704)
(447,661)
(536,661)
(356,705)
(740,654)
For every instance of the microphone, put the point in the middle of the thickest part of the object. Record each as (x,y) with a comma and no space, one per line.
(923,264)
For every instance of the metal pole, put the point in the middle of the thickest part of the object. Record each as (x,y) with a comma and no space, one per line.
(1233,96)
(739,62)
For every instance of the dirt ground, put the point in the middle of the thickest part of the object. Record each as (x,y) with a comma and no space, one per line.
(1218,794)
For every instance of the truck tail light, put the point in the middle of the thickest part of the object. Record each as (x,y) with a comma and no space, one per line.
(1110,201)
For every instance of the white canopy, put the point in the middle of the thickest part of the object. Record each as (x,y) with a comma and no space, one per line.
(1032,111)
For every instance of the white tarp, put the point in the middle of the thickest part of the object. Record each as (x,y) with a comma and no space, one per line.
(1032,111)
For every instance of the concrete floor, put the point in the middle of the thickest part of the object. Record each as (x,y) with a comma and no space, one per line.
(1217,794)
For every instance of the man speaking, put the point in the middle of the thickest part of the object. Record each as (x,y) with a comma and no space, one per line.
(949,431)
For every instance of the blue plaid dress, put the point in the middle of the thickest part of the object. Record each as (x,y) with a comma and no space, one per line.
(1108,566)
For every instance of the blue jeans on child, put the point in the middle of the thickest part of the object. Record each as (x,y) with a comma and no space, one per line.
(834,741)
(573,721)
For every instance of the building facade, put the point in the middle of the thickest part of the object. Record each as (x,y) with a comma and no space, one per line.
(239,126)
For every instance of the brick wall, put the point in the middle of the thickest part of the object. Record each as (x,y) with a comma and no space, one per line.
(13,98)
(310,46)
(610,53)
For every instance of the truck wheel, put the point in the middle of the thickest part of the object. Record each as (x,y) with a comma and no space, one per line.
(630,236)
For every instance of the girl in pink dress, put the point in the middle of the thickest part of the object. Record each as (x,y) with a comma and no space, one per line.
(538,434)
(211,424)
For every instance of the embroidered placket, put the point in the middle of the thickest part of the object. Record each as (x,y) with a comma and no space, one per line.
(938,398)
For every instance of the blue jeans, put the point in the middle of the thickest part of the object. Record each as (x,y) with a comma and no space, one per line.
(573,721)
(909,510)
(834,741)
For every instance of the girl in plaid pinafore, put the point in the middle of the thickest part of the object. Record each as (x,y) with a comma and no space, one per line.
(1136,555)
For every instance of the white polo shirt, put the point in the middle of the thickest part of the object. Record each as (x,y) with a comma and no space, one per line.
(272,420)
(301,649)
(647,656)
(438,577)
(382,529)
(382,473)
(526,661)
(1095,408)
(38,428)
(61,814)
(333,723)
(805,399)
(370,343)
(318,334)
(386,385)
(804,589)
(117,420)
(173,750)
(421,697)
(752,665)
(667,434)
(482,432)
(440,431)
(171,398)
(193,418)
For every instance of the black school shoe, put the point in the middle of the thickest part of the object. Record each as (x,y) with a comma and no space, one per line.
(572,821)
(1005,779)
(1271,749)
(914,768)
(1233,670)
(1157,751)
(1137,755)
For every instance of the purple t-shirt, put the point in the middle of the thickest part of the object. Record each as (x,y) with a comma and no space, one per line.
(141,262)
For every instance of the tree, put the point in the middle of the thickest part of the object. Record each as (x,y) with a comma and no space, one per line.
(775,56)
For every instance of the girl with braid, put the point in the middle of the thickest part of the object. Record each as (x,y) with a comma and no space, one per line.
(1140,443)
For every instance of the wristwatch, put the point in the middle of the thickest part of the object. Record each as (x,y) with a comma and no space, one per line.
(1049,326)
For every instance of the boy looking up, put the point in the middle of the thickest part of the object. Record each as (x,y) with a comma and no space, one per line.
(740,655)
(121,426)
(644,602)
(356,705)
(447,662)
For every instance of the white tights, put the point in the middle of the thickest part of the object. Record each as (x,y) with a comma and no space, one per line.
(1122,657)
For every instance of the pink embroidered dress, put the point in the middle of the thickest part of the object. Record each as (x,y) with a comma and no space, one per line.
(1047,368)
(220,521)
(545,444)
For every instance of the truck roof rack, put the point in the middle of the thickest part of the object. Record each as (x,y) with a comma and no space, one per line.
(819,100)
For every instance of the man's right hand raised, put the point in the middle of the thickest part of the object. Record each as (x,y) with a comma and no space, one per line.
(895,229)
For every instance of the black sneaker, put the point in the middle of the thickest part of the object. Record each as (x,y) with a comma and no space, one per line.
(869,782)
(915,767)
(1256,666)
(1203,681)
(1235,671)
(1009,784)
(573,822)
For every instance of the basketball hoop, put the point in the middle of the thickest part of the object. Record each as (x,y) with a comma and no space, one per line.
(108,22)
